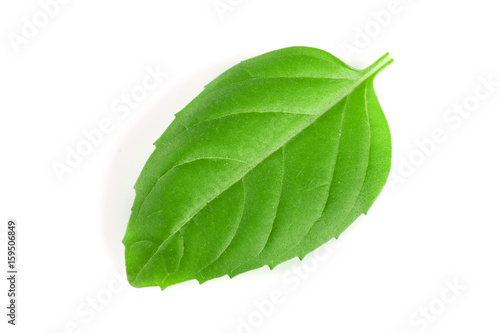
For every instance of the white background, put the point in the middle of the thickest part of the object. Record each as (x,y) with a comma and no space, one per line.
(438,223)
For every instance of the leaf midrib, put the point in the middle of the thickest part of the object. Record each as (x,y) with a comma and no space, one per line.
(368,73)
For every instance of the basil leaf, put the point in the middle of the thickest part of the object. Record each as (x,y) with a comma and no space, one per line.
(275,157)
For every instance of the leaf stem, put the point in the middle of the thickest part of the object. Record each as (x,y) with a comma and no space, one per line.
(379,65)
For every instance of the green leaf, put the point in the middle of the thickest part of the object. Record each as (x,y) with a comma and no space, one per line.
(275,157)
